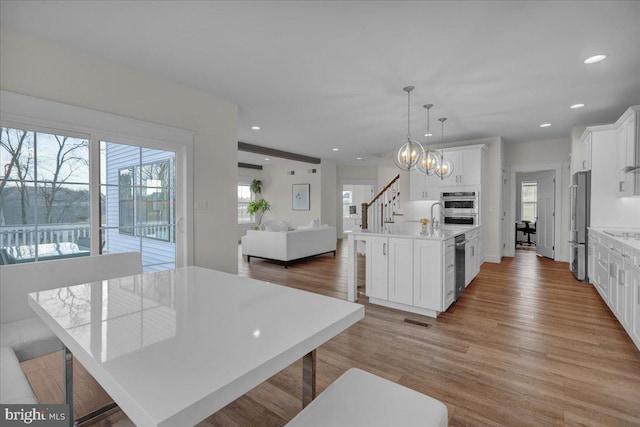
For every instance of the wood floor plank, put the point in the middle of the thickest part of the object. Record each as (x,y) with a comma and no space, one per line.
(526,345)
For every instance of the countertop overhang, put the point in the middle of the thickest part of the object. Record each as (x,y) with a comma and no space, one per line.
(440,233)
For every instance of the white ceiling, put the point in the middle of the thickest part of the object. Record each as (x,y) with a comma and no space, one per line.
(319,75)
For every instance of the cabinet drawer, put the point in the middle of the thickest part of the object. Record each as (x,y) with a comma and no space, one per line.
(632,257)
(616,248)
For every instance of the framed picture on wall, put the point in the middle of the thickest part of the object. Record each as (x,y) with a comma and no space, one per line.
(300,197)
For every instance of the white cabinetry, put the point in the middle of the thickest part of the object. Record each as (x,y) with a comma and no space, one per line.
(634,280)
(423,187)
(401,270)
(626,153)
(449,292)
(585,163)
(591,257)
(617,278)
(427,268)
(377,267)
(472,256)
(468,165)
(467,168)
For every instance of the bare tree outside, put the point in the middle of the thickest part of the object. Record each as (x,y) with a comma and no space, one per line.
(44,180)
(16,156)
(70,154)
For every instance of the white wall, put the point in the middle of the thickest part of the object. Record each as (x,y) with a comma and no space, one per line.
(277,190)
(536,156)
(330,194)
(41,69)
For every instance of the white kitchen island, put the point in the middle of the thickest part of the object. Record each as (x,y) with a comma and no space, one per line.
(410,271)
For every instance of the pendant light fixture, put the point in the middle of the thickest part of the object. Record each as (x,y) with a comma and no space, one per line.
(410,152)
(431,158)
(445,168)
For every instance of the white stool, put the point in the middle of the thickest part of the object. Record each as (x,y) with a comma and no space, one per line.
(361,399)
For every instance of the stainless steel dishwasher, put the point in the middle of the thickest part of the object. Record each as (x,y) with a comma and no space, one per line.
(461,241)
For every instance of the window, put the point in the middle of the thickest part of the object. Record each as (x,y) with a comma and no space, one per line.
(61,190)
(347,198)
(147,204)
(244,197)
(137,202)
(44,195)
(529,201)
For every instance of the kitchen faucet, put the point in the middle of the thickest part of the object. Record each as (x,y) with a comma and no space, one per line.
(433,224)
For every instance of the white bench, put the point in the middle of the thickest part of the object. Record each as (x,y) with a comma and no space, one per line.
(23,335)
(361,399)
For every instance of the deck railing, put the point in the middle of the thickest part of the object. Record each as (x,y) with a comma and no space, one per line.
(47,233)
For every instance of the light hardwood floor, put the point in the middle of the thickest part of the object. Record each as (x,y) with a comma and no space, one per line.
(526,345)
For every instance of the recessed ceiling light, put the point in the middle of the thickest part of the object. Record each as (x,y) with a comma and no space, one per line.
(594,59)
(545,125)
(335,149)
(255,127)
(574,106)
(267,159)
(358,158)
(428,134)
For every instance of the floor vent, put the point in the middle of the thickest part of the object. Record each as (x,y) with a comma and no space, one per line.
(417,322)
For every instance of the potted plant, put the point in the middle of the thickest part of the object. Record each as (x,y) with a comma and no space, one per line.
(258,208)
(256,186)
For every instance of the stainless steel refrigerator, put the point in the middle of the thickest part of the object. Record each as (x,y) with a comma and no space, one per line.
(580,193)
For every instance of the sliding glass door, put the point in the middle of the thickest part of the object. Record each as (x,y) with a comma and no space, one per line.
(138,203)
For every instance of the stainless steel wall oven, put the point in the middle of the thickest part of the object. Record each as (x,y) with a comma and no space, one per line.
(461,207)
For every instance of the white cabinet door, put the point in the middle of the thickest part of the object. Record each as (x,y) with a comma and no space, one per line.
(449,266)
(625,156)
(468,263)
(586,153)
(475,256)
(470,169)
(377,267)
(451,180)
(401,270)
(467,168)
(423,187)
(635,304)
(591,262)
(427,268)
(625,297)
(615,265)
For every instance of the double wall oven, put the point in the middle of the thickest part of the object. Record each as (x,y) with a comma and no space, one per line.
(461,207)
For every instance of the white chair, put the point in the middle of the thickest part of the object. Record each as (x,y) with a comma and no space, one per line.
(361,399)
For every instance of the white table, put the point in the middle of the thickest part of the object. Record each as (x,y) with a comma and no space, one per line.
(173,347)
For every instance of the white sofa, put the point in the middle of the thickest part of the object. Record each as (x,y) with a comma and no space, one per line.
(23,335)
(289,245)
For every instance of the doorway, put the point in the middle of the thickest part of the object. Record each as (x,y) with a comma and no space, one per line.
(534,212)
(353,196)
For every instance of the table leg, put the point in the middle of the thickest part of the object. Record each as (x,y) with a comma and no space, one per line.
(67,381)
(308,378)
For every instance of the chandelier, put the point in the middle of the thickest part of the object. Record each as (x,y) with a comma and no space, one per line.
(431,159)
(410,152)
(445,168)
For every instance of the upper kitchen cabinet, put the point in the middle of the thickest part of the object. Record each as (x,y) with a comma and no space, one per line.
(627,153)
(585,162)
(468,165)
(423,187)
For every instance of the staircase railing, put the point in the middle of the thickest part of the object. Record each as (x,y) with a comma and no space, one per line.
(383,208)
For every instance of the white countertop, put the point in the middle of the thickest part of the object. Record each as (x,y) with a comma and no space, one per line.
(173,347)
(632,241)
(413,230)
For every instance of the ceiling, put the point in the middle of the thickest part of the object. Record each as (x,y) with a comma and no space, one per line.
(322,75)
